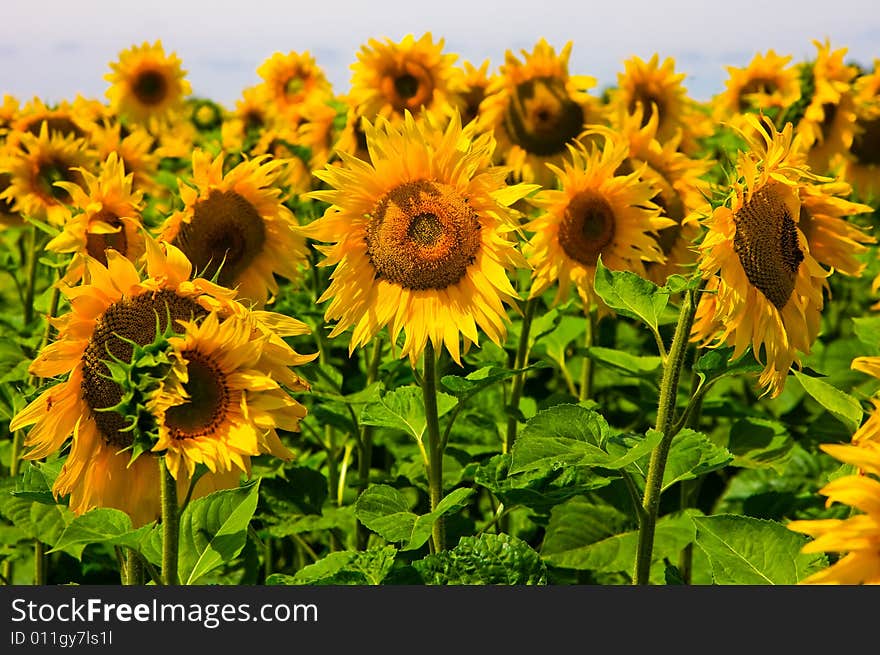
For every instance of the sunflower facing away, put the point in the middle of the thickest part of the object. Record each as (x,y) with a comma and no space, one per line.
(121,305)
(105,213)
(537,109)
(419,237)
(596,212)
(412,76)
(237,223)
(767,285)
(36,165)
(146,84)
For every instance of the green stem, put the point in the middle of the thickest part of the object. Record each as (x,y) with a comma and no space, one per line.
(435,446)
(39,563)
(522,358)
(31,281)
(170,523)
(133,574)
(665,418)
(586,382)
(365,445)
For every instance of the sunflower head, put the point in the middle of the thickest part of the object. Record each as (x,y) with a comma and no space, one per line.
(769,287)
(769,83)
(34,168)
(597,212)
(537,109)
(419,236)
(292,78)
(147,84)
(860,165)
(235,227)
(390,79)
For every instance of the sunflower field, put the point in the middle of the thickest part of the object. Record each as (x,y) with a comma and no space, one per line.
(463,324)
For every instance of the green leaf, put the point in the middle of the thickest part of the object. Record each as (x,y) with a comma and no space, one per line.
(617,554)
(841,405)
(213,530)
(463,387)
(343,568)
(490,559)
(385,511)
(716,363)
(578,523)
(630,295)
(628,363)
(691,455)
(759,443)
(745,550)
(556,342)
(404,409)
(37,480)
(867,329)
(101,525)
(36,520)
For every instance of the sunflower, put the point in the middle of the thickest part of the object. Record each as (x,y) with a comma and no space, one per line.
(9,109)
(827,126)
(134,147)
(253,112)
(220,405)
(860,165)
(36,165)
(474,84)
(682,190)
(833,241)
(77,119)
(351,139)
(391,78)
(292,78)
(146,84)
(658,90)
(537,109)
(768,286)
(419,237)
(857,536)
(120,305)
(769,83)
(105,213)
(597,212)
(870,429)
(235,225)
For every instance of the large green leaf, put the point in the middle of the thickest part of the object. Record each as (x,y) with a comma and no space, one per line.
(36,481)
(404,409)
(37,520)
(841,405)
(485,560)
(691,455)
(386,511)
(213,530)
(745,550)
(758,443)
(102,525)
(639,365)
(343,568)
(578,523)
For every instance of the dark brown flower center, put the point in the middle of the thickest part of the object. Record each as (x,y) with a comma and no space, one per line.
(410,86)
(587,228)
(208,399)
(50,172)
(423,235)
(226,233)
(98,243)
(766,242)
(60,124)
(150,87)
(649,102)
(755,85)
(129,319)
(866,143)
(542,118)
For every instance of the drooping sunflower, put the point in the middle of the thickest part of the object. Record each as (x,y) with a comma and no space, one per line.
(413,76)
(828,124)
(658,90)
(419,237)
(596,211)
(768,287)
(146,84)
(120,305)
(537,109)
(860,165)
(769,83)
(36,165)
(236,226)
(292,78)
(856,537)
(104,213)
(220,405)
(682,189)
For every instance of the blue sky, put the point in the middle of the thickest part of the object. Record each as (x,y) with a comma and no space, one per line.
(55,49)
